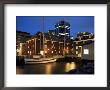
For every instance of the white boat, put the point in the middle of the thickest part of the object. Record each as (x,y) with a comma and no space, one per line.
(41,60)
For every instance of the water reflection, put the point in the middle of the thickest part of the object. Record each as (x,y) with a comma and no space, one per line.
(70,66)
(48,69)
(19,70)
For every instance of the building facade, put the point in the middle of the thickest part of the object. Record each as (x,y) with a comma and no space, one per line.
(83,38)
(21,37)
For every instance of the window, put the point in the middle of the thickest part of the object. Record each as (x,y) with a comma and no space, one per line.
(45,46)
(76,47)
(28,51)
(76,52)
(86,51)
(45,51)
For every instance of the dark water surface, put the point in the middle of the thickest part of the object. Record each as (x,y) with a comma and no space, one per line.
(48,68)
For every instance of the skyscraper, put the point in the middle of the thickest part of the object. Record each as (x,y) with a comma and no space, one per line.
(62,28)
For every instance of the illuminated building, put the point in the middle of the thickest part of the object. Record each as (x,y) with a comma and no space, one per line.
(53,45)
(88,51)
(62,28)
(21,37)
(82,39)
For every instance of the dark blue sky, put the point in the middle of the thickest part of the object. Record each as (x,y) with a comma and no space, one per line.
(32,24)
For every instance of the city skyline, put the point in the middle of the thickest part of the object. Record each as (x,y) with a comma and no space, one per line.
(33,24)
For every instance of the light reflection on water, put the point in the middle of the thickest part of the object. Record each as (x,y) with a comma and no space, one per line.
(70,66)
(49,68)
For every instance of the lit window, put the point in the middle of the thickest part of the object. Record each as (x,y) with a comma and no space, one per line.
(45,46)
(76,52)
(52,51)
(45,51)
(59,51)
(67,47)
(66,26)
(76,47)
(28,51)
(86,51)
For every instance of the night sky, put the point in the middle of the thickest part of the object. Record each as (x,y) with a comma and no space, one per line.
(33,24)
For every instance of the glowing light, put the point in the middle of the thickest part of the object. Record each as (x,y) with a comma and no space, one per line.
(42,52)
(48,69)
(45,51)
(66,26)
(76,52)
(52,52)
(28,51)
(86,51)
(70,66)
(45,46)
(76,47)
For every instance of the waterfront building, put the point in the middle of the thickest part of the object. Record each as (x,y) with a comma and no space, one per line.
(21,37)
(51,45)
(83,38)
(88,51)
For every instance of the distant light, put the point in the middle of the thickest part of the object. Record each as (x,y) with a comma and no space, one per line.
(66,26)
(84,32)
(86,51)
(76,47)
(52,51)
(80,46)
(48,49)
(42,52)
(28,51)
(45,51)
(76,52)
